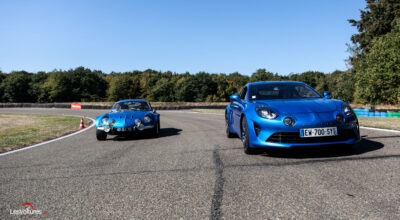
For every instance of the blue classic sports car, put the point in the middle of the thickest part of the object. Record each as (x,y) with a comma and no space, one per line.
(128,116)
(286,114)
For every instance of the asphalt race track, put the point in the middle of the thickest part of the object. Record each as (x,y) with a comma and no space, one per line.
(192,171)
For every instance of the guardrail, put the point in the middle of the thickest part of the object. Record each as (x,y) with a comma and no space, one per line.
(85,106)
(364,112)
(360,112)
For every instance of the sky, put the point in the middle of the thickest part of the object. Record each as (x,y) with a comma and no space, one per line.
(217,36)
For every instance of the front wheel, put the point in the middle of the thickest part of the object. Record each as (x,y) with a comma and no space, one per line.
(156,129)
(228,132)
(101,135)
(245,137)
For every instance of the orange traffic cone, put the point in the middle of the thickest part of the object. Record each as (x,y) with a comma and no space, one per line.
(81,126)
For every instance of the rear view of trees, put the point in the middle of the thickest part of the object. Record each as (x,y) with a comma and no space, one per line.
(84,85)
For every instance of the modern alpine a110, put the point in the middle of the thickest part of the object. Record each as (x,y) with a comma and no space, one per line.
(286,114)
(130,116)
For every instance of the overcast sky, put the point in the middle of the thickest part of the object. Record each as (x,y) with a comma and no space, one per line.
(213,36)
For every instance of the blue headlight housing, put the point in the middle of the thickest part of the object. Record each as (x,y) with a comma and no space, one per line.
(265,112)
(104,120)
(346,109)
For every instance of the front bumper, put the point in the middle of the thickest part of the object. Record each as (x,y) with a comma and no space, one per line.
(115,130)
(281,136)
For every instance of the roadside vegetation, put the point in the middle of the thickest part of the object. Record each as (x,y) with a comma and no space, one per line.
(24,129)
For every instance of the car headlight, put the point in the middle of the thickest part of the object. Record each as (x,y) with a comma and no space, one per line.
(146,119)
(346,109)
(112,122)
(265,112)
(104,120)
(137,122)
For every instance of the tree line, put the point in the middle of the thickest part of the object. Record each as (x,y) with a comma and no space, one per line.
(373,78)
(85,85)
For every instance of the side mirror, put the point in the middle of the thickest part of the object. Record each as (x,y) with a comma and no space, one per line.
(234,97)
(154,111)
(327,95)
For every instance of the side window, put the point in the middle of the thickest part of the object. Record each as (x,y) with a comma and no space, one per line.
(243,93)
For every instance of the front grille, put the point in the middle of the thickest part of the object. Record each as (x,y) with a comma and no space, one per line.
(294,137)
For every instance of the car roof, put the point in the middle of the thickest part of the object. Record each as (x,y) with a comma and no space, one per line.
(134,100)
(271,82)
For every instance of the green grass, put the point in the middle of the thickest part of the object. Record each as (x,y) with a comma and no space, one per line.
(21,130)
(375,122)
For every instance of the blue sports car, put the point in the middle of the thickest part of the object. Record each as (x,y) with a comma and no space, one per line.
(128,116)
(286,114)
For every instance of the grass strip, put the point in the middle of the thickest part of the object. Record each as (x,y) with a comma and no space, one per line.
(21,130)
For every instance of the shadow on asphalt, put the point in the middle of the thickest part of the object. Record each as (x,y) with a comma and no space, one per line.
(362,147)
(164,132)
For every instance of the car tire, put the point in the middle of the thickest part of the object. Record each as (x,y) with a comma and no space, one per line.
(156,129)
(228,132)
(245,137)
(101,135)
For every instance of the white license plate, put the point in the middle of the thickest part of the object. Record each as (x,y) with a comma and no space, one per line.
(318,132)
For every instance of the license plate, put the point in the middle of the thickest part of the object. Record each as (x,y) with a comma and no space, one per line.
(318,132)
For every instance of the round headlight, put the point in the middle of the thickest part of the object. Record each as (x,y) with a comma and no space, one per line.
(104,120)
(265,112)
(289,121)
(346,109)
(146,119)
(112,122)
(141,127)
(138,122)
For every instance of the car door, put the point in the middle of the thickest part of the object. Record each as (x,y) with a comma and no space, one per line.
(237,107)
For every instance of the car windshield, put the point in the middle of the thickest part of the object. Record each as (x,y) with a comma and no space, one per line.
(130,106)
(270,91)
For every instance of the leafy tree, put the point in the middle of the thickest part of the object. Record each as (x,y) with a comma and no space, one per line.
(90,86)
(73,85)
(262,75)
(341,85)
(2,77)
(186,88)
(35,85)
(148,80)
(236,81)
(377,19)
(313,79)
(123,87)
(204,86)
(163,91)
(15,87)
(378,76)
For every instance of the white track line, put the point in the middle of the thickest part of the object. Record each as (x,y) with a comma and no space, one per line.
(56,139)
(379,129)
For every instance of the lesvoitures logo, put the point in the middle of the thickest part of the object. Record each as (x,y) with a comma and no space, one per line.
(27,210)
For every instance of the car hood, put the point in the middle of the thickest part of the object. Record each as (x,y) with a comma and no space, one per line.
(301,105)
(127,118)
